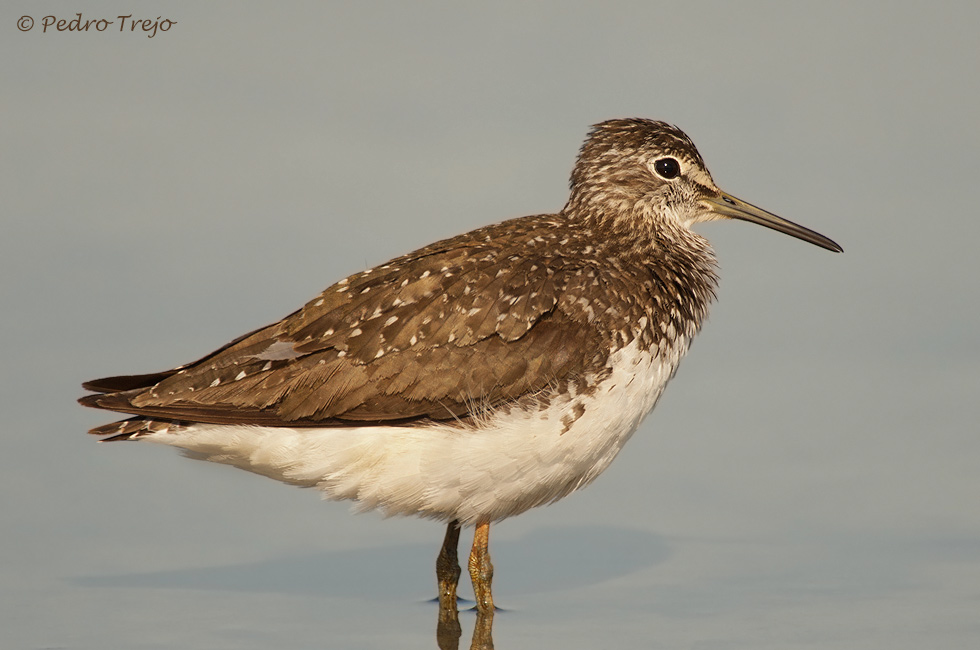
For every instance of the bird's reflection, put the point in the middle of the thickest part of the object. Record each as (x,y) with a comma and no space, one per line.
(449,631)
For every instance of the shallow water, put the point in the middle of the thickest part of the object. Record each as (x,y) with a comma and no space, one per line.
(570,586)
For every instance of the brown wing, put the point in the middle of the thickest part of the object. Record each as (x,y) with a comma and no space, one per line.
(460,326)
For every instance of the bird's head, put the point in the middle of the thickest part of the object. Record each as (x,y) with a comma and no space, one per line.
(652,170)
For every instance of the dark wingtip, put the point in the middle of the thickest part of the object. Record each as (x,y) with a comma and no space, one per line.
(91,401)
(126,382)
(108,401)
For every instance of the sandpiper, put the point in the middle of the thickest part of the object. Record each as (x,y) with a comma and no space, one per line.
(476,377)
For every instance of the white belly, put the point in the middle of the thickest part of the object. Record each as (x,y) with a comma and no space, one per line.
(503,466)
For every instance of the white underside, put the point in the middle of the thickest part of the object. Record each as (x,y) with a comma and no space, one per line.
(507,464)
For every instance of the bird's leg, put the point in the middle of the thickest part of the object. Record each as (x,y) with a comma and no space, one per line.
(448,630)
(481,571)
(447,568)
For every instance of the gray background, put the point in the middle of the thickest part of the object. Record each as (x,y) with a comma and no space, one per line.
(810,479)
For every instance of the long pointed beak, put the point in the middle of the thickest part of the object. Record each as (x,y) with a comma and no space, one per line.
(727,205)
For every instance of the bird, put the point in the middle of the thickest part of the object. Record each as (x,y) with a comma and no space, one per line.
(479,376)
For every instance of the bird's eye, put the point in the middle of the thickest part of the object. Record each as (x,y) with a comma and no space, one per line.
(667,168)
